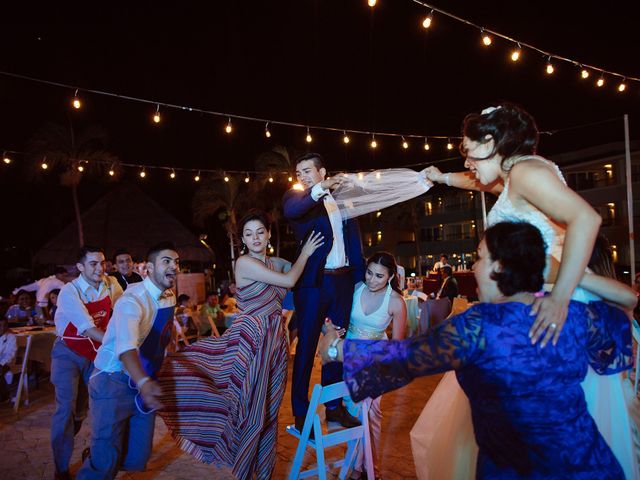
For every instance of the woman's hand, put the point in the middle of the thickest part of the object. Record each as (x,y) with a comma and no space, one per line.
(433,173)
(314,241)
(330,334)
(551,315)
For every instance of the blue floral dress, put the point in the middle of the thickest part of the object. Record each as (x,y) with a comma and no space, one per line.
(528,408)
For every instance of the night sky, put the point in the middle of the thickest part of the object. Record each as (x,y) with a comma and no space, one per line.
(335,63)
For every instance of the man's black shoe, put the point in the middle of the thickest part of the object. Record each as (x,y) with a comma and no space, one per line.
(300,426)
(341,416)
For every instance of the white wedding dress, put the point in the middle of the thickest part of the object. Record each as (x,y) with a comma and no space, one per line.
(442,438)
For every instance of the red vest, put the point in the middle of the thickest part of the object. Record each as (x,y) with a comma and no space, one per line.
(101,312)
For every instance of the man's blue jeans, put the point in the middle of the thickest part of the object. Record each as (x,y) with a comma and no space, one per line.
(121,435)
(70,376)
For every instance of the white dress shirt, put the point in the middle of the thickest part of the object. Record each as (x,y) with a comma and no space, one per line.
(337,257)
(131,322)
(8,348)
(71,303)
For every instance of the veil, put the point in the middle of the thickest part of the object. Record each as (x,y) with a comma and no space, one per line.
(369,192)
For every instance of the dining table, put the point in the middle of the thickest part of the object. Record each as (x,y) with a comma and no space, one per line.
(42,339)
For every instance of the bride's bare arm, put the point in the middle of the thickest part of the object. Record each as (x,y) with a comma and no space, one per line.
(462,180)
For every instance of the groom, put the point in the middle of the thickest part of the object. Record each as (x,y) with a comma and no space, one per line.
(325,288)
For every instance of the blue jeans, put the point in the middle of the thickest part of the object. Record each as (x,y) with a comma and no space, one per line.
(121,436)
(70,376)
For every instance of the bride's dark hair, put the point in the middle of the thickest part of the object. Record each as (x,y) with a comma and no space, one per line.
(389,262)
(513,130)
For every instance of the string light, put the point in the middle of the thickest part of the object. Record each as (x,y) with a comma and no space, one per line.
(600,81)
(426,144)
(44,164)
(622,87)
(172,175)
(290,178)
(143,173)
(373,143)
(486,38)
(449,145)
(226,178)
(80,168)
(6,159)
(267,133)
(112,172)
(515,54)
(308,138)
(197,177)
(426,23)
(76,101)
(228,128)
(246,179)
(156,116)
(345,138)
(405,144)
(270,179)
(372,3)
(550,68)
(584,73)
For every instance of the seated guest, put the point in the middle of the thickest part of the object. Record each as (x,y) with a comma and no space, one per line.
(529,413)
(124,269)
(444,261)
(185,315)
(212,309)
(228,301)
(57,280)
(449,287)
(52,303)
(8,349)
(23,312)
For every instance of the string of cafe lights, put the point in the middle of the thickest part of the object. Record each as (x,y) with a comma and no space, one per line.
(246,176)
(586,71)
(230,119)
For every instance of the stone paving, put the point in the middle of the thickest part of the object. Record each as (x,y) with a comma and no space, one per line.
(26,452)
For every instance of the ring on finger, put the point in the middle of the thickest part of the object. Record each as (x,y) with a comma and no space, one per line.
(552,325)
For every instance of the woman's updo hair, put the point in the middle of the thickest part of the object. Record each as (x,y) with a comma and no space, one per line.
(388,261)
(521,251)
(253,214)
(514,131)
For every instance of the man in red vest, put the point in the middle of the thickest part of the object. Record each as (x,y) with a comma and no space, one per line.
(84,309)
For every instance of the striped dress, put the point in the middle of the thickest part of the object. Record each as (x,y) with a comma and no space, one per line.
(222,395)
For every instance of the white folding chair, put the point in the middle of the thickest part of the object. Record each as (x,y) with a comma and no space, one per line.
(21,366)
(352,436)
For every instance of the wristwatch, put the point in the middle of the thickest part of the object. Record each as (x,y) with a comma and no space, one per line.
(332,351)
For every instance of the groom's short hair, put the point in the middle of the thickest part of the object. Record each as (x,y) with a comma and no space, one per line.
(317,159)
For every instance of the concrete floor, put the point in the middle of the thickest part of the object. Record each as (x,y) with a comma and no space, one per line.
(26,452)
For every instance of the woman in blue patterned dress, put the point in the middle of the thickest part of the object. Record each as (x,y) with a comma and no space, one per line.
(222,395)
(529,413)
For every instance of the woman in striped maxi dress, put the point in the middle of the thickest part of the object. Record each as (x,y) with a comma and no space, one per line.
(222,395)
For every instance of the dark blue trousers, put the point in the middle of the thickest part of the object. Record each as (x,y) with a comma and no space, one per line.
(333,299)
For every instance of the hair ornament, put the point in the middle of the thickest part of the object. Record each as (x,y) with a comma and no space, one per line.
(488,110)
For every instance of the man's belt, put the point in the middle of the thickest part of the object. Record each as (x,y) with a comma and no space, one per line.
(337,271)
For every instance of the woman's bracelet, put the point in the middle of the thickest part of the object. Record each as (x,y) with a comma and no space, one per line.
(142,381)
(446,179)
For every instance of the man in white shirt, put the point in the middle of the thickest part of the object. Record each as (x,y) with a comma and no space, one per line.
(325,287)
(84,310)
(123,389)
(43,286)
(8,349)
(444,261)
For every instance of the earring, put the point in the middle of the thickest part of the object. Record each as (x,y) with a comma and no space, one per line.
(244,248)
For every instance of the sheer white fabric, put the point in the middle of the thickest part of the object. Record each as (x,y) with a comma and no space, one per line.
(369,192)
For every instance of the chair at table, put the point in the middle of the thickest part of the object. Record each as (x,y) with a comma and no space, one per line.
(434,311)
(20,366)
(459,305)
(352,436)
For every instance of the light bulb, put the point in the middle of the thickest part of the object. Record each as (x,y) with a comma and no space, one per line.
(228,128)
(486,40)
(622,87)
(584,73)
(426,23)
(267,133)
(426,145)
(270,179)
(405,144)
(111,172)
(374,144)
(76,103)
(515,55)
(290,178)
(6,159)
(172,175)
(449,145)
(600,82)
(372,3)
(226,178)
(44,165)
(246,179)
(308,137)
(346,139)
(550,69)
(197,177)
(156,116)
(80,168)
(143,173)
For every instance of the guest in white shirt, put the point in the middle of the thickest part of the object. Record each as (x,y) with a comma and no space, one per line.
(8,349)
(444,261)
(123,386)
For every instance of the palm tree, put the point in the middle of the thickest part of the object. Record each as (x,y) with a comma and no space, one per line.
(75,155)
